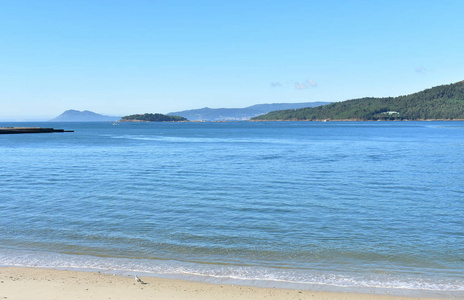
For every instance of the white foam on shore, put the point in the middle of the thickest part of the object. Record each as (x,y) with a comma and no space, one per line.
(396,284)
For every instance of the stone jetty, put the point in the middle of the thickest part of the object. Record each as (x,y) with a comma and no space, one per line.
(16,130)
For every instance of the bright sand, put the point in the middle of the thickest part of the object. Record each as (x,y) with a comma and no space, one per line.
(48,284)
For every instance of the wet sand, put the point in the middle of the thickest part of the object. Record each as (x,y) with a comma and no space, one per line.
(17,283)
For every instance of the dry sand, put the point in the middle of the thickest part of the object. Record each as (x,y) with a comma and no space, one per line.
(48,284)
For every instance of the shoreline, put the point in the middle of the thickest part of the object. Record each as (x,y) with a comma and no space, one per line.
(251,120)
(341,281)
(361,120)
(42,284)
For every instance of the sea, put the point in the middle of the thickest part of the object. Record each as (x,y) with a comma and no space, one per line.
(371,207)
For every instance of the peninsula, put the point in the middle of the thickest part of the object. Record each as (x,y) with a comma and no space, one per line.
(445,102)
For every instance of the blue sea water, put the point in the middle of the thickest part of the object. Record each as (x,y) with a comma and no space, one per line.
(364,206)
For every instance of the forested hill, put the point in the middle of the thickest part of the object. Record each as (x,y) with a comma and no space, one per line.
(152,118)
(445,102)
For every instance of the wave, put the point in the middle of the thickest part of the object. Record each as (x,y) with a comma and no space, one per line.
(173,139)
(400,284)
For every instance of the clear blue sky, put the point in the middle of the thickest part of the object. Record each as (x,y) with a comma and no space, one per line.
(119,57)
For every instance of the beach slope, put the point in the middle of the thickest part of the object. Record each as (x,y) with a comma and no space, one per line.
(46,284)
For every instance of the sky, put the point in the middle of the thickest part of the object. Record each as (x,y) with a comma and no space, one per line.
(118,57)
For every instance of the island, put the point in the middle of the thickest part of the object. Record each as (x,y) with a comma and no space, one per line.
(445,102)
(152,118)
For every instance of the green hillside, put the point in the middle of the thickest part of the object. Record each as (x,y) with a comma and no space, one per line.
(152,118)
(445,102)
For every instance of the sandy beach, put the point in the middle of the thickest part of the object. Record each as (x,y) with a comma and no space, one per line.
(46,284)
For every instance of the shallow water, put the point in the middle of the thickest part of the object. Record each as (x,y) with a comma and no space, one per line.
(347,204)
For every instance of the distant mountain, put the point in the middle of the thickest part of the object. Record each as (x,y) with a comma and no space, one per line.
(238,114)
(445,102)
(83,116)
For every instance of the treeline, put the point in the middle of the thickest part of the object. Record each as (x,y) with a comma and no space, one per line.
(444,102)
(152,118)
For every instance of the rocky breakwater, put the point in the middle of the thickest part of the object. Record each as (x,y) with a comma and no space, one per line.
(17,130)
